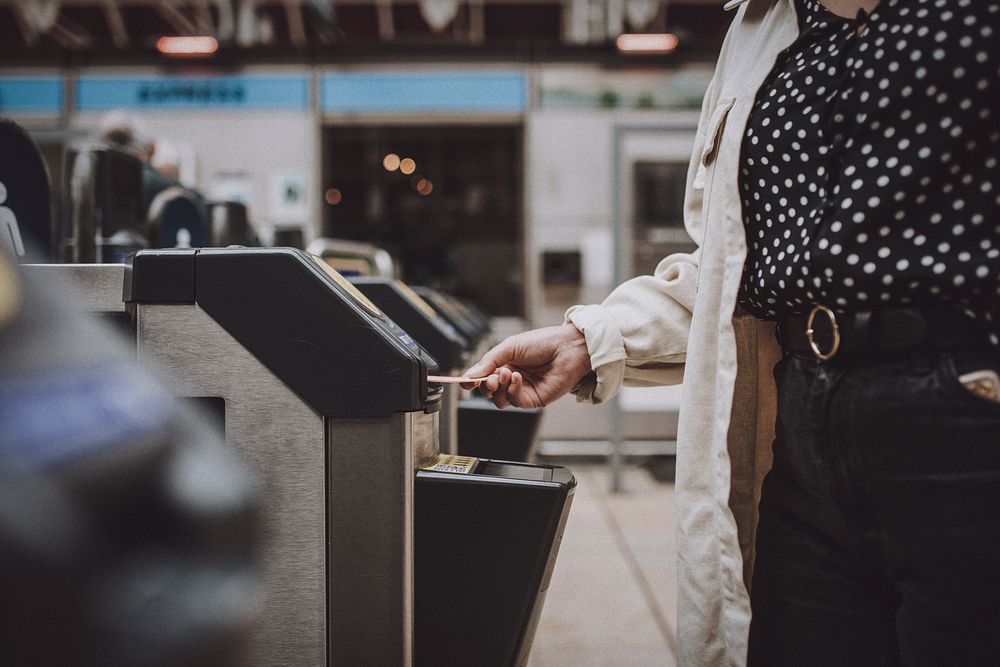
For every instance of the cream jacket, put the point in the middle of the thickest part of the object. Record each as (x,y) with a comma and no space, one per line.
(682,322)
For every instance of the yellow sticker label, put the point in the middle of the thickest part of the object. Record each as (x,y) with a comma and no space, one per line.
(348,287)
(449,463)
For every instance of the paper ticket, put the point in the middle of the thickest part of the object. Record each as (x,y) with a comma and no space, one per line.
(454,379)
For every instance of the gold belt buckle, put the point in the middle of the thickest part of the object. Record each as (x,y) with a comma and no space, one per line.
(823,356)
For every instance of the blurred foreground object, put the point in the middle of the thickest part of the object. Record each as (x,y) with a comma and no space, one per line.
(126,527)
(25,211)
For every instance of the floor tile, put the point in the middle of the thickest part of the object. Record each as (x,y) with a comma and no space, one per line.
(613,592)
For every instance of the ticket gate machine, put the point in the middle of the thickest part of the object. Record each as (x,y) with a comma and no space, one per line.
(433,333)
(473,326)
(376,550)
(354,258)
(327,399)
(228,225)
(106,214)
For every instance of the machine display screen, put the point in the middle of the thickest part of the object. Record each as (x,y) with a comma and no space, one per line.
(348,287)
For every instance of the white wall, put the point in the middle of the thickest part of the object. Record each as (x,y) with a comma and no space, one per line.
(570,193)
(259,144)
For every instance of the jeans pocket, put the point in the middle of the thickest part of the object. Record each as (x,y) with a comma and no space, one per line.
(967,377)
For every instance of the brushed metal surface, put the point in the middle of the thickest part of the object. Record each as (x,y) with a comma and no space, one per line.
(449,418)
(371,465)
(95,288)
(283,440)
(425,431)
(370,573)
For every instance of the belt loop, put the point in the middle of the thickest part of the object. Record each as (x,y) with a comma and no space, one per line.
(861,331)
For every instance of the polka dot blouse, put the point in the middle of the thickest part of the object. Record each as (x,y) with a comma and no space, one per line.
(869,173)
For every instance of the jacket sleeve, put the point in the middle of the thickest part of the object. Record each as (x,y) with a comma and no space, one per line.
(638,335)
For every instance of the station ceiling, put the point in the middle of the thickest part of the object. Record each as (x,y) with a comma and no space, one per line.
(275,30)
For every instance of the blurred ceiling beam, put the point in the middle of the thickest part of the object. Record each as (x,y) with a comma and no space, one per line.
(246,22)
(116,24)
(226,30)
(477,21)
(176,18)
(70,35)
(296,25)
(28,31)
(386,27)
(203,17)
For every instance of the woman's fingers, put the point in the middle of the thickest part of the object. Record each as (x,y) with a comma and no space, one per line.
(499,396)
(488,386)
(495,387)
(509,388)
(515,391)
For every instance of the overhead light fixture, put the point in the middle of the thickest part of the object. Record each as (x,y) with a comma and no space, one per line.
(652,44)
(187,46)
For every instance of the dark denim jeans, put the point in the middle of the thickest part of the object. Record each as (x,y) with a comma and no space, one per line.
(879,537)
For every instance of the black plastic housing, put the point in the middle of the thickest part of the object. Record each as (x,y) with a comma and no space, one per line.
(486,431)
(284,308)
(485,547)
(433,332)
(160,276)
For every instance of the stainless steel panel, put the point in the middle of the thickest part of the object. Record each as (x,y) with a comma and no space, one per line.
(425,432)
(370,491)
(90,287)
(283,439)
(449,418)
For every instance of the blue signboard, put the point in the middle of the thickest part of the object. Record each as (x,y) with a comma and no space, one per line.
(251,91)
(467,92)
(36,95)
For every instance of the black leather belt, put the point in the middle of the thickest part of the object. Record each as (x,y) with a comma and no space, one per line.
(826,334)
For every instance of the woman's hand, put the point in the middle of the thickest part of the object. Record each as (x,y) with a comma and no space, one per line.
(534,368)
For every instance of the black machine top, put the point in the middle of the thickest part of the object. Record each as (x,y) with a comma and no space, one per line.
(331,345)
(405,306)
